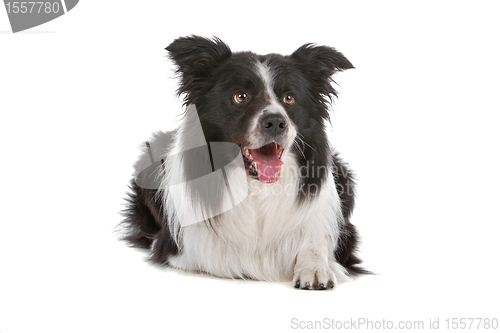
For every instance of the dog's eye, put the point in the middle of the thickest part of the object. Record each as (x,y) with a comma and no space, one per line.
(240,98)
(289,99)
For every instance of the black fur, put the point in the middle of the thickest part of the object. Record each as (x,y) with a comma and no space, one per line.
(143,223)
(348,240)
(196,59)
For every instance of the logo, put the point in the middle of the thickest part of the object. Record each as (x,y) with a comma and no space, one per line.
(209,174)
(28,14)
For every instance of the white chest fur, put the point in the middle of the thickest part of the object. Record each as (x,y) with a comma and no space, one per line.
(262,235)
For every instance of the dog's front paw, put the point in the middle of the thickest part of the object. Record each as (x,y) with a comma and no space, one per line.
(315,278)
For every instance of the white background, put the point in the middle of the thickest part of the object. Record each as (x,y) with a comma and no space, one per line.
(417,119)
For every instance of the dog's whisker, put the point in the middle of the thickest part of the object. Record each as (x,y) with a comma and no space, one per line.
(301,150)
(301,139)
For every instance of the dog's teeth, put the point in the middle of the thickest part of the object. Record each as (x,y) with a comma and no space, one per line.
(247,152)
(276,145)
(281,154)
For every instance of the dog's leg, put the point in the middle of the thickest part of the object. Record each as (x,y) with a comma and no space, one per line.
(316,266)
(312,268)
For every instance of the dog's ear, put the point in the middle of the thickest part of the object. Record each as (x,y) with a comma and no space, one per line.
(196,57)
(319,63)
(321,60)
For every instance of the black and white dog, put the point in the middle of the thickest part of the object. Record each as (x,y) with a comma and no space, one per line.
(248,185)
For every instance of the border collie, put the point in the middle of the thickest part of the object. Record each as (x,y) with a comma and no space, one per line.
(248,185)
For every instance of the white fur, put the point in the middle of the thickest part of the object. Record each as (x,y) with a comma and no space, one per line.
(265,234)
(274,106)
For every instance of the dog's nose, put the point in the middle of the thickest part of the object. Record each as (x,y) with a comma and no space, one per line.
(273,124)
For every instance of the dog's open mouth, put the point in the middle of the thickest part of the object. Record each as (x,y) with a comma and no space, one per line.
(264,163)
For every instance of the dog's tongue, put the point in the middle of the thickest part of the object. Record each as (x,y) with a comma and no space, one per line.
(267,163)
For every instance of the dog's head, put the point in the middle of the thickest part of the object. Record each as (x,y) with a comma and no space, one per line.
(267,104)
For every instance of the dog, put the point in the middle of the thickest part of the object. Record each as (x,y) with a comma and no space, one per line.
(248,185)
